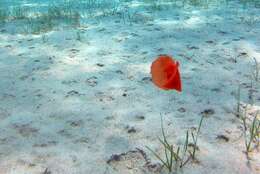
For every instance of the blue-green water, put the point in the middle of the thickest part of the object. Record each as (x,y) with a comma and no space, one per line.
(41,16)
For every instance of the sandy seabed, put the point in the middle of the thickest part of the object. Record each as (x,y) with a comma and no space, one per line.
(87,106)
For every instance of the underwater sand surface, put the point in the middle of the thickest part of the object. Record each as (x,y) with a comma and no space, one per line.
(67,105)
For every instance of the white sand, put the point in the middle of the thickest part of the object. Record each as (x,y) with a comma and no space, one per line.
(60,110)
